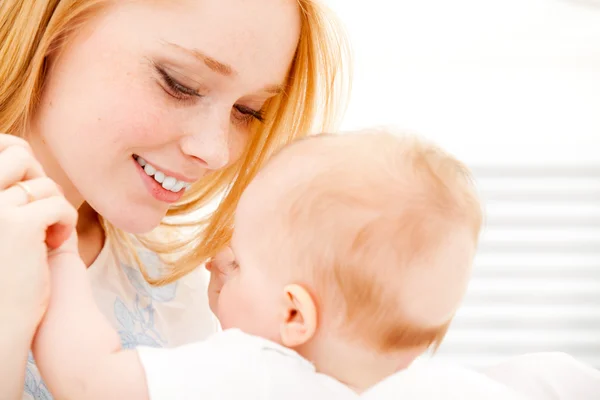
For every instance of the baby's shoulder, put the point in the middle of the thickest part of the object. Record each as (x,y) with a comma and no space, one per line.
(235,352)
(233,364)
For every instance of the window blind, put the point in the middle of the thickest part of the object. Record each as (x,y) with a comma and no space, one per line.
(536,280)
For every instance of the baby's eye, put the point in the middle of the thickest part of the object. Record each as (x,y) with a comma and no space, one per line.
(231,266)
(224,262)
(224,267)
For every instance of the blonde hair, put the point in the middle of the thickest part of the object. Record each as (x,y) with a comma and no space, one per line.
(316,94)
(380,206)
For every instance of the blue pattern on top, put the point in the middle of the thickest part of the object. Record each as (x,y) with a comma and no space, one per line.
(135,321)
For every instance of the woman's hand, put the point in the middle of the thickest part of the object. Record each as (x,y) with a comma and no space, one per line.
(34,217)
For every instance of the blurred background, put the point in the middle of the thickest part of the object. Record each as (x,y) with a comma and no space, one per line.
(512,87)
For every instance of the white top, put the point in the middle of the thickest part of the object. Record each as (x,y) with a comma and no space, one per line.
(234,365)
(534,376)
(435,380)
(165,316)
(548,376)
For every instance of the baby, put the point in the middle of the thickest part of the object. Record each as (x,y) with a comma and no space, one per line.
(349,258)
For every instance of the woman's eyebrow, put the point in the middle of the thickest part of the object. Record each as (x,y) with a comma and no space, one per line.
(216,66)
(274,89)
(222,68)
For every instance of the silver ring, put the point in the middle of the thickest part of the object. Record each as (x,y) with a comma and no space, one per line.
(27,190)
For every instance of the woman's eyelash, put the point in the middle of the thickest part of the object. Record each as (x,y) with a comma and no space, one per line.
(258,115)
(183,92)
(179,89)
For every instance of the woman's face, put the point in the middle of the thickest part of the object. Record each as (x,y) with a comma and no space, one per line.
(171,85)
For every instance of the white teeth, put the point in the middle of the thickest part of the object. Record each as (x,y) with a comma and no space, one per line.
(159,177)
(168,182)
(150,170)
(178,186)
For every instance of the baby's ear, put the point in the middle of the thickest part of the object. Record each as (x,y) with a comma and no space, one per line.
(299,322)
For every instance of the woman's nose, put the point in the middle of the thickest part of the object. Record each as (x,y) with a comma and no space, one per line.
(208,141)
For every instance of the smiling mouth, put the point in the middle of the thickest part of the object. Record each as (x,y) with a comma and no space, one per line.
(167,182)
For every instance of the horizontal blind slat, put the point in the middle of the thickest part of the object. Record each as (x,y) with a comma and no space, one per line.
(536,279)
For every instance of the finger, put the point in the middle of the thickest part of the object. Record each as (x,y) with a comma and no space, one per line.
(55,214)
(17,164)
(41,188)
(7,140)
(58,234)
(69,246)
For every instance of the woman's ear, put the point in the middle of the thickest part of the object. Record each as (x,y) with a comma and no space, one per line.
(299,322)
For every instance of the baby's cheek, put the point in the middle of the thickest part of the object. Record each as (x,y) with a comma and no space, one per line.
(228,307)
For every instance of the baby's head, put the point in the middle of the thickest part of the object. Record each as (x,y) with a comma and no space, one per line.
(349,243)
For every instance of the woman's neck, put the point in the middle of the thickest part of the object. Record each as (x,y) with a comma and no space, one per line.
(90,233)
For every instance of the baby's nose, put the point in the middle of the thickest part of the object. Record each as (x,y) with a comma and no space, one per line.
(225,256)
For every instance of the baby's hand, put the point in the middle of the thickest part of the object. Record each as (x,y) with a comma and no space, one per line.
(68,246)
(65,258)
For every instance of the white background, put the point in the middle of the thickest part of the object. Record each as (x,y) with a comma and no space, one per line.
(492,80)
(504,85)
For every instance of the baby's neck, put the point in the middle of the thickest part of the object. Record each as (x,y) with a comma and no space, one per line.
(356,366)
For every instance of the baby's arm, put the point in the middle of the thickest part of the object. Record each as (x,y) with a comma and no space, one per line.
(78,353)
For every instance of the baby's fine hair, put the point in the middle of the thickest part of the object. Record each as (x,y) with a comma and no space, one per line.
(381,204)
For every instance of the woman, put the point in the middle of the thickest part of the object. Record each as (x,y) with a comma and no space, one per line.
(137,110)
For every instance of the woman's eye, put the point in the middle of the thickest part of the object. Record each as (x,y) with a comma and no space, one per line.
(240,114)
(175,88)
(246,115)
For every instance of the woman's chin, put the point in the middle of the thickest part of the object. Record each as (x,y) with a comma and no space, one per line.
(138,222)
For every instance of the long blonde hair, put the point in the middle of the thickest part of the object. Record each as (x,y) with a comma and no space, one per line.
(317,90)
